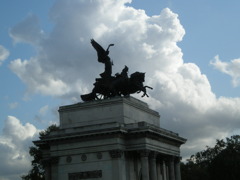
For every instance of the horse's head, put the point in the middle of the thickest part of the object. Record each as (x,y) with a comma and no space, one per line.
(138,76)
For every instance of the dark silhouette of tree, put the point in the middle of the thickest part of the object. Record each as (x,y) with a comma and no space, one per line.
(37,171)
(226,164)
(222,162)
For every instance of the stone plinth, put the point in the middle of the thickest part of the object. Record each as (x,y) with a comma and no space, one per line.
(114,139)
(116,110)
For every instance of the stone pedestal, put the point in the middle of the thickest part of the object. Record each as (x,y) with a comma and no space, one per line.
(118,139)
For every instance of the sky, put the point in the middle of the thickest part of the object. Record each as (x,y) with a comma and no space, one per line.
(189,50)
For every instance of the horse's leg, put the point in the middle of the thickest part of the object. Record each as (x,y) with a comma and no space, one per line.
(144,90)
(148,87)
(145,93)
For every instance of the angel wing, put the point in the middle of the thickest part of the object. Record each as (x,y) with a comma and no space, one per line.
(101,53)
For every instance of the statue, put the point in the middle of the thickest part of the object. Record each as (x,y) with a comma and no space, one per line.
(103,58)
(119,85)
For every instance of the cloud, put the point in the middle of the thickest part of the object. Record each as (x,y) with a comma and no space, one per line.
(43,114)
(4,53)
(28,31)
(37,79)
(43,110)
(15,140)
(231,68)
(66,66)
(13,105)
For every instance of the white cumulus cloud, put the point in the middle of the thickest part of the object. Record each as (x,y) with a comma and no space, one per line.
(37,79)
(15,140)
(28,31)
(231,68)
(4,53)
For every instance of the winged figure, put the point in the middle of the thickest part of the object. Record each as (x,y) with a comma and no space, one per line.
(103,58)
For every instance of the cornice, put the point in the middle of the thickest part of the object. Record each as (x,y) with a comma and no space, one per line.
(146,131)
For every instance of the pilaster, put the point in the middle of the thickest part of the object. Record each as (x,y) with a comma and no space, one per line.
(164,170)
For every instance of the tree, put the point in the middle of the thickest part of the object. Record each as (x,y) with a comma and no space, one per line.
(222,162)
(226,164)
(37,171)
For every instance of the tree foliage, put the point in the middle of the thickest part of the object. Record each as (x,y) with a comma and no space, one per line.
(221,162)
(37,171)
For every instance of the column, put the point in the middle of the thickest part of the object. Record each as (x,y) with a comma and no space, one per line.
(167,171)
(144,164)
(153,166)
(177,168)
(171,168)
(159,174)
(164,170)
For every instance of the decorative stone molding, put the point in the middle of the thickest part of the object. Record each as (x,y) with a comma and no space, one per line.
(84,157)
(117,153)
(142,124)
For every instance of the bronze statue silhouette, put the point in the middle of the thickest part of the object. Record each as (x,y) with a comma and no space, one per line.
(103,58)
(109,86)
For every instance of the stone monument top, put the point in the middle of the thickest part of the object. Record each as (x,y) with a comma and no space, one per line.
(108,112)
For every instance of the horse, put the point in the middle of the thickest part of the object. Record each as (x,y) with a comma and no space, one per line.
(117,86)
